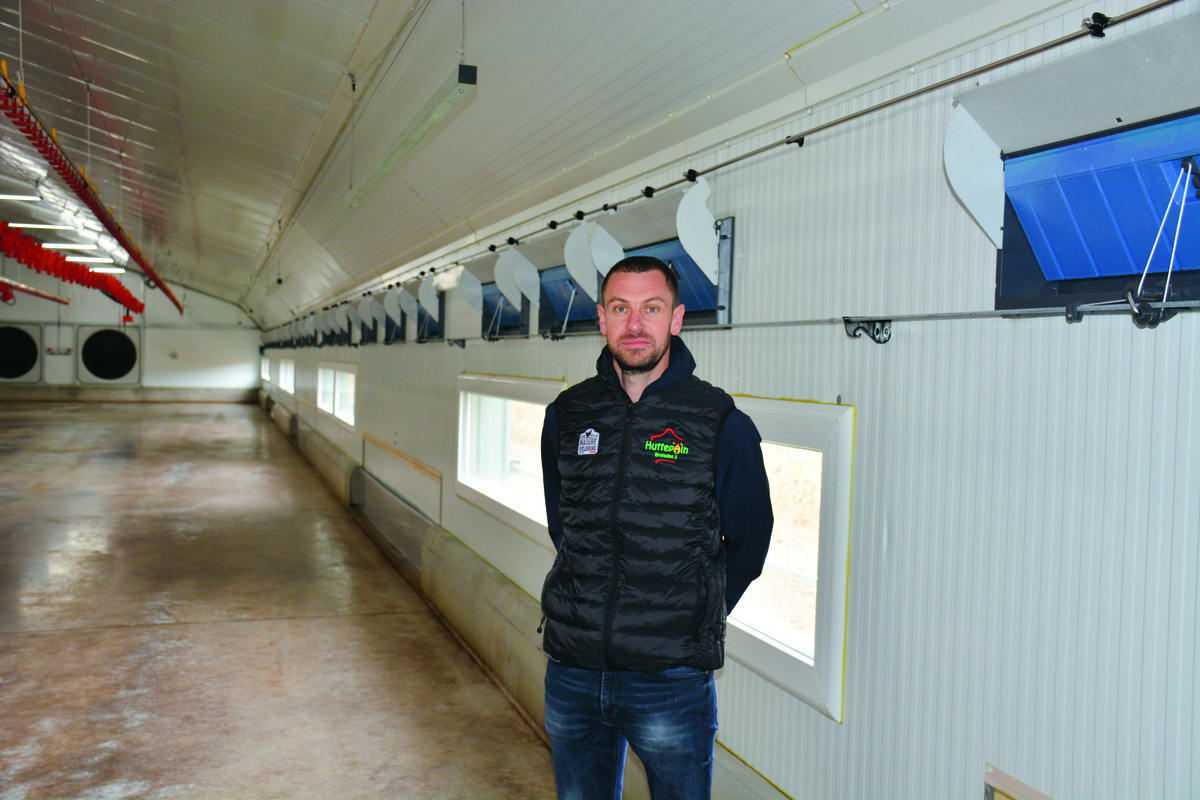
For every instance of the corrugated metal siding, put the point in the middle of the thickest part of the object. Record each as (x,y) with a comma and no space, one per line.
(1023,567)
(1026,535)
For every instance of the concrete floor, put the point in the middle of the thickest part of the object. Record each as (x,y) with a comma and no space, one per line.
(186,611)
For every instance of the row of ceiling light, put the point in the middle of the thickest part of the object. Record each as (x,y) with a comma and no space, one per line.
(73,216)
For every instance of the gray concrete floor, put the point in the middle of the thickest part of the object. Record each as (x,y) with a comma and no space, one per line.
(186,611)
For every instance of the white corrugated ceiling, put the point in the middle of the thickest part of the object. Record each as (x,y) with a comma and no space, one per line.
(225,135)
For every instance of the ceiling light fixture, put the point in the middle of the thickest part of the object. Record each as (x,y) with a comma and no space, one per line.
(26,198)
(69,246)
(89,259)
(456,87)
(41,226)
(109,270)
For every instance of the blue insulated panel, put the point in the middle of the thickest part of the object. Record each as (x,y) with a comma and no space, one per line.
(509,316)
(1092,209)
(695,291)
(556,290)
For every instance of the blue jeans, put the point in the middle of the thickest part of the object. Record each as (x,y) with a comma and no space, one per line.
(668,717)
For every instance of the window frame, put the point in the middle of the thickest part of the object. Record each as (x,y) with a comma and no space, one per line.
(324,370)
(287,375)
(540,391)
(337,367)
(830,429)
(338,377)
(264,370)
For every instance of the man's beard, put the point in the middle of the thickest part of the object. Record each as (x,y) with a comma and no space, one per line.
(646,363)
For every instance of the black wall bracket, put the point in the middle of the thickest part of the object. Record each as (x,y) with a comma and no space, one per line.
(879,330)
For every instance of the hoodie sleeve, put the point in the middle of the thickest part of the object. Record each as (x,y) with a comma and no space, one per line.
(550,482)
(744,497)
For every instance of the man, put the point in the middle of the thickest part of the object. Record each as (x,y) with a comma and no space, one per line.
(658,504)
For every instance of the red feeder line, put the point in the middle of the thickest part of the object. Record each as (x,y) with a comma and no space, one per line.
(8,286)
(13,106)
(24,249)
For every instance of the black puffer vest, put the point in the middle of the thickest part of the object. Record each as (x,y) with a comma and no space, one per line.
(639,582)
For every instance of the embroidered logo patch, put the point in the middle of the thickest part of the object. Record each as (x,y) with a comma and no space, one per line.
(667,447)
(589,443)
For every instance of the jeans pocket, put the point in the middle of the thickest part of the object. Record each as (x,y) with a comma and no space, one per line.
(682,674)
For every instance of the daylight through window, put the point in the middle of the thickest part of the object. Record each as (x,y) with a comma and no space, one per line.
(499,448)
(287,375)
(325,389)
(501,455)
(335,390)
(790,626)
(783,602)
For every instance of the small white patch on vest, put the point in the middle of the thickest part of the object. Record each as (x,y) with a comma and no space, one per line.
(589,443)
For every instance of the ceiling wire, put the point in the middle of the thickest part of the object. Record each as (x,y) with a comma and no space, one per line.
(462,51)
(87,79)
(339,141)
(20,41)
(412,28)
(88,99)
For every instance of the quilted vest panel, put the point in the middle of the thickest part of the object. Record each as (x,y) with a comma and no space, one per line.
(639,583)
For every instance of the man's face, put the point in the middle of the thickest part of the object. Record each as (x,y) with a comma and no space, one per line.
(637,320)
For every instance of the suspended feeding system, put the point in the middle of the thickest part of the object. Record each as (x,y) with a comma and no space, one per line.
(8,286)
(25,249)
(14,106)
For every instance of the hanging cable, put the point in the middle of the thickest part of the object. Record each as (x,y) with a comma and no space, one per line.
(87,82)
(353,103)
(20,43)
(1178,225)
(462,51)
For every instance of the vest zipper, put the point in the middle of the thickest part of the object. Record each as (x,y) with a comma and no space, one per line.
(609,657)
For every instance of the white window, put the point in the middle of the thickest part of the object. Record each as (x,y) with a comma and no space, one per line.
(287,375)
(266,368)
(343,398)
(335,390)
(790,626)
(325,389)
(499,448)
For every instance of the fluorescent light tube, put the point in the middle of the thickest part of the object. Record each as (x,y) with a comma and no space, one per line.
(69,246)
(89,260)
(41,226)
(28,198)
(112,270)
(456,87)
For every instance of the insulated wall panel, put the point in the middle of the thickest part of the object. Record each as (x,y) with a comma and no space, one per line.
(1025,541)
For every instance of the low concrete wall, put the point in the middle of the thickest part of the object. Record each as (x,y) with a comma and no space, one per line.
(330,463)
(334,465)
(497,620)
(493,617)
(124,394)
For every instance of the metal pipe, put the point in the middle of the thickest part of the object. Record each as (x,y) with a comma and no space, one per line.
(794,138)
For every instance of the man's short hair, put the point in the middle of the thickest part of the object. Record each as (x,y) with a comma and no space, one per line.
(638,264)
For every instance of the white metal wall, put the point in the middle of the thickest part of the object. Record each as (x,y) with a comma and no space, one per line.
(1026,518)
(212,345)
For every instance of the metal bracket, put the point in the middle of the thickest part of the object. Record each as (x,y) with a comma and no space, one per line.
(457,343)
(880,330)
(1143,314)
